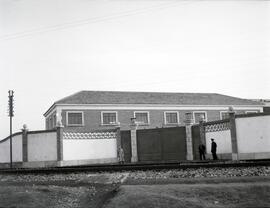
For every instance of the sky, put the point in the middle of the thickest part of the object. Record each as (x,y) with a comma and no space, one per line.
(50,49)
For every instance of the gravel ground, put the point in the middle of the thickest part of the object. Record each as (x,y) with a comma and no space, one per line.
(120,177)
(202,173)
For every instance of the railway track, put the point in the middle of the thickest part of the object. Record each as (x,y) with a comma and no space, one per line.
(136,166)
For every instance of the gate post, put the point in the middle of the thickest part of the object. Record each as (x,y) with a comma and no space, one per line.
(25,143)
(59,141)
(133,134)
(188,123)
(118,138)
(233,134)
(202,131)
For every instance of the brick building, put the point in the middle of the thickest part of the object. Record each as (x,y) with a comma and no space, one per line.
(96,110)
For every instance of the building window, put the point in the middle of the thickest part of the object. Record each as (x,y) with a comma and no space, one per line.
(47,124)
(75,118)
(249,112)
(224,115)
(108,118)
(171,117)
(142,117)
(198,115)
(50,123)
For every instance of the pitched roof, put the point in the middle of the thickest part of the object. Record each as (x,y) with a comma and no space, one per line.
(117,97)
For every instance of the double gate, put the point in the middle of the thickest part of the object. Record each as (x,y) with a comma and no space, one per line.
(161,145)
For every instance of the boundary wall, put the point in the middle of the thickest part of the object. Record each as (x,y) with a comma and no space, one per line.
(241,137)
(55,147)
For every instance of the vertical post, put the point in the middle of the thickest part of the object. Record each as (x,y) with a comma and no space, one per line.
(188,123)
(202,131)
(133,133)
(118,138)
(233,134)
(10,140)
(25,143)
(11,114)
(59,133)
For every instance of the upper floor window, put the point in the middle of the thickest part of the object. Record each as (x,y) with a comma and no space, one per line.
(248,112)
(171,117)
(198,115)
(224,115)
(142,117)
(74,118)
(109,118)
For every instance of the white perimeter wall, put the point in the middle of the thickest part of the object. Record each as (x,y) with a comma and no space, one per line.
(88,149)
(223,140)
(16,150)
(253,134)
(42,147)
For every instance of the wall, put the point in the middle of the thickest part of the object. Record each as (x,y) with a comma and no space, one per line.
(253,137)
(16,149)
(42,146)
(89,149)
(223,140)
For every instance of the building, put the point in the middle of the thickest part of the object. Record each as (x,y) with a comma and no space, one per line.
(266,104)
(96,110)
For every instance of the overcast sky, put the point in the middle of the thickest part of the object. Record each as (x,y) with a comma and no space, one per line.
(50,49)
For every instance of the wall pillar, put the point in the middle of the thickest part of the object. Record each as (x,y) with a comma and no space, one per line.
(188,123)
(25,143)
(133,134)
(59,140)
(233,135)
(118,138)
(58,115)
(202,132)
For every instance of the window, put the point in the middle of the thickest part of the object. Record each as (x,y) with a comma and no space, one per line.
(142,117)
(248,112)
(197,116)
(171,117)
(224,115)
(108,118)
(50,123)
(75,118)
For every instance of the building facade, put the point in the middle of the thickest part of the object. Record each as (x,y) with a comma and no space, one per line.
(97,110)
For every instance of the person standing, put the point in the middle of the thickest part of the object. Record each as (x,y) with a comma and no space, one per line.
(121,156)
(202,151)
(214,149)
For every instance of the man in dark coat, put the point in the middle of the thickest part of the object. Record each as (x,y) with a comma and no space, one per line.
(214,149)
(202,151)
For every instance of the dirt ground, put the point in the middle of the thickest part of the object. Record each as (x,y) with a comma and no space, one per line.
(58,196)
(193,195)
(237,187)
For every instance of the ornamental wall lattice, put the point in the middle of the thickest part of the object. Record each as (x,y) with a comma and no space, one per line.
(217,127)
(90,135)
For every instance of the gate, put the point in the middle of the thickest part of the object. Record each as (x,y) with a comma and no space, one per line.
(165,144)
(196,141)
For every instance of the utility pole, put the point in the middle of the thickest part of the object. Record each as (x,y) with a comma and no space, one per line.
(10,114)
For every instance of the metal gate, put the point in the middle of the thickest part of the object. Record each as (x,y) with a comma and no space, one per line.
(165,144)
(196,141)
